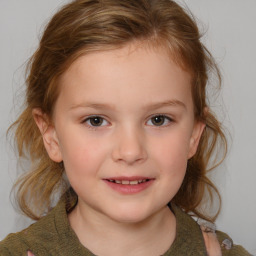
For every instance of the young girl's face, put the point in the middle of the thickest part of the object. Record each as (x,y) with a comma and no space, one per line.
(124,126)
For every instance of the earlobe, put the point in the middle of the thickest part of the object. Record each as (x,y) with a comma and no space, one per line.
(49,135)
(195,138)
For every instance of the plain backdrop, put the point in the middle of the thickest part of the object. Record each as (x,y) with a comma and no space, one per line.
(230,35)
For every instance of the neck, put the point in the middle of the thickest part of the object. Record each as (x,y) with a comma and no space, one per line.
(101,235)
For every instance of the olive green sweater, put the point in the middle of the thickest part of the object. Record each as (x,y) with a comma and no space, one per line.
(52,235)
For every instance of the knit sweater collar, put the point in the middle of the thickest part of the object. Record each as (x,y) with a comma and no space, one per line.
(188,241)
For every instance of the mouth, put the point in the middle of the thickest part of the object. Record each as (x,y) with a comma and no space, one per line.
(129,185)
(128,182)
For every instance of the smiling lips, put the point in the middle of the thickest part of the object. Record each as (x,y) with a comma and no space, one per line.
(129,182)
(131,185)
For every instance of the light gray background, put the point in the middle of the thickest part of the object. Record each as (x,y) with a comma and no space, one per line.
(231,37)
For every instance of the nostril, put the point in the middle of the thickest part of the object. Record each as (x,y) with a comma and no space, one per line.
(129,155)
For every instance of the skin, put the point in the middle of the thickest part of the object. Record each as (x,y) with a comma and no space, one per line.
(135,84)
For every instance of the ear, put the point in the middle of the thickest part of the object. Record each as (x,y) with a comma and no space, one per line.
(49,135)
(195,138)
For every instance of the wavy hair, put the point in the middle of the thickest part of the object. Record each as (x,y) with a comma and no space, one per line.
(85,26)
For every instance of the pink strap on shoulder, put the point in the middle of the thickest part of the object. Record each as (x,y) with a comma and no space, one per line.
(212,244)
(210,238)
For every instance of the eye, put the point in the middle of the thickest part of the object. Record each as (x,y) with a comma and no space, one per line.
(95,121)
(159,120)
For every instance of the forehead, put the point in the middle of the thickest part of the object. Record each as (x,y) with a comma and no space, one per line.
(151,55)
(129,73)
(158,46)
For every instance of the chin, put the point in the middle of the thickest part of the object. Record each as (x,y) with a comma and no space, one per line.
(130,216)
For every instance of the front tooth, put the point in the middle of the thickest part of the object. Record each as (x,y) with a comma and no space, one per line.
(125,182)
(134,182)
(118,181)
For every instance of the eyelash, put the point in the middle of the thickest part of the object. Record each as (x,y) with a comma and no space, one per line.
(94,127)
(166,118)
(90,118)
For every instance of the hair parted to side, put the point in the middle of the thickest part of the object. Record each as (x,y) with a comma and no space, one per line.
(85,26)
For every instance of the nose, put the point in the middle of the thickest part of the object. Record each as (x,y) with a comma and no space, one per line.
(129,147)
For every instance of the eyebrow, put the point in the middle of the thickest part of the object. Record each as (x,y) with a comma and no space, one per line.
(168,103)
(157,105)
(93,105)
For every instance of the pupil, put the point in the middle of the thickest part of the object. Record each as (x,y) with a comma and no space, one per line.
(96,121)
(158,120)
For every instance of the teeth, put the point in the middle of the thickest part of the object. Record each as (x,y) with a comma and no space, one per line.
(127,182)
(134,182)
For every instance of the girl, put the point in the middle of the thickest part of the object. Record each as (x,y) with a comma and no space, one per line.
(117,123)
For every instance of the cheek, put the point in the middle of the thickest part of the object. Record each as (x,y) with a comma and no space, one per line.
(171,157)
(171,161)
(82,156)
(172,150)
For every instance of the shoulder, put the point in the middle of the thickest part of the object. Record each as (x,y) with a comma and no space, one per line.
(219,242)
(228,248)
(202,236)
(35,236)
(39,237)
(14,244)
(9,246)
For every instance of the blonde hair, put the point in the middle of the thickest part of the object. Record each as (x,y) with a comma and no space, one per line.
(84,26)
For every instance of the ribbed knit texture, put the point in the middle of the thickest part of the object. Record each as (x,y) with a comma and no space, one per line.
(52,235)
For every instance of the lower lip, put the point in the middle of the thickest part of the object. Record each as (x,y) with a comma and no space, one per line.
(129,189)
